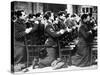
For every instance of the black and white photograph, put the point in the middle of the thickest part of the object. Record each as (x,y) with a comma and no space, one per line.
(49,37)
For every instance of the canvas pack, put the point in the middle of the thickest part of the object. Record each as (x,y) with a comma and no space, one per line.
(49,37)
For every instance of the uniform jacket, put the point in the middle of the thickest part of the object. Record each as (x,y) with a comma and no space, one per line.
(61,24)
(51,34)
(70,23)
(19,40)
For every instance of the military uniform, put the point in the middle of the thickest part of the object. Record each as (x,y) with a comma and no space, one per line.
(61,24)
(19,40)
(51,40)
(82,57)
(70,23)
(37,31)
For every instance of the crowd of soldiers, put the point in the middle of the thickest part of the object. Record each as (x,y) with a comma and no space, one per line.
(47,29)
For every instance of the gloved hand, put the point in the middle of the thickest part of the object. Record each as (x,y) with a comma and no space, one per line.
(62,31)
(68,29)
(90,31)
(28,30)
(95,28)
(74,27)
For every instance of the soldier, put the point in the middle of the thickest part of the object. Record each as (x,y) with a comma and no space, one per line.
(71,23)
(92,25)
(41,36)
(20,31)
(61,25)
(34,23)
(82,57)
(61,19)
(51,40)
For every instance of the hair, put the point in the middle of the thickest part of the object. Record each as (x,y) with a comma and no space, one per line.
(55,16)
(47,15)
(67,15)
(19,13)
(84,16)
(31,16)
(38,14)
(73,15)
(61,13)
(13,14)
(90,14)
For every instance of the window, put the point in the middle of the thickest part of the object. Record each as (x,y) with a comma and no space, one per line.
(83,10)
(91,10)
(87,10)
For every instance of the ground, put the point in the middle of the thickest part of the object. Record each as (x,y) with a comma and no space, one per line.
(49,69)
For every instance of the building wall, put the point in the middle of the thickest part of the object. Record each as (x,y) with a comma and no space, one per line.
(69,9)
(54,7)
(78,9)
(37,7)
(94,10)
(27,6)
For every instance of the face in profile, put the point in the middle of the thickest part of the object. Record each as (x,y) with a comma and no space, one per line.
(41,16)
(62,16)
(87,19)
(33,18)
(23,15)
(52,16)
